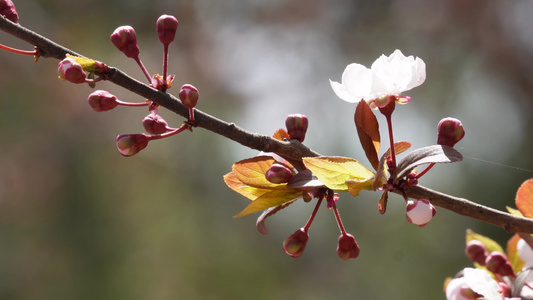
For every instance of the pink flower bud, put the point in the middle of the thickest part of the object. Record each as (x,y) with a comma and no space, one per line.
(125,39)
(498,263)
(450,131)
(7,9)
(294,245)
(72,71)
(131,144)
(102,100)
(278,173)
(189,95)
(420,212)
(477,252)
(155,124)
(347,247)
(166,27)
(297,126)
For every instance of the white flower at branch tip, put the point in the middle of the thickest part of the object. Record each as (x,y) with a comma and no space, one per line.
(474,280)
(390,75)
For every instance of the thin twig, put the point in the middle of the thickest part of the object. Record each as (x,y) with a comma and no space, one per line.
(291,150)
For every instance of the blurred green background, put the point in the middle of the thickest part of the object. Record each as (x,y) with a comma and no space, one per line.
(79,221)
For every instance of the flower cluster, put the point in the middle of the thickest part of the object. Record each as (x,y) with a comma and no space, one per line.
(124,38)
(498,274)
(321,177)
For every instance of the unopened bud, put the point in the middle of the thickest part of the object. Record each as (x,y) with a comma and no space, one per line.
(131,144)
(7,9)
(72,71)
(295,244)
(125,39)
(449,132)
(498,263)
(166,27)
(297,126)
(155,124)
(420,212)
(477,252)
(278,173)
(347,247)
(189,95)
(102,100)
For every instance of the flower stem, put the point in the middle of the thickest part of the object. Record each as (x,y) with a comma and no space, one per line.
(339,221)
(145,103)
(183,127)
(25,52)
(312,217)
(425,170)
(139,62)
(165,67)
(391,139)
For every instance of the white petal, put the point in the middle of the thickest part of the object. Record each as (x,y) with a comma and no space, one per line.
(453,290)
(342,93)
(418,74)
(357,80)
(525,253)
(482,283)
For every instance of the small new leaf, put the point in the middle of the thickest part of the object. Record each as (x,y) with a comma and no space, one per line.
(381,172)
(368,130)
(334,171)
(270,199)
(252,171)
(238,186)
(281,134)
(427,155)
(524,198)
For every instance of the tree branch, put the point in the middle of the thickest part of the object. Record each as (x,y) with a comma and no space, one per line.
(291,150)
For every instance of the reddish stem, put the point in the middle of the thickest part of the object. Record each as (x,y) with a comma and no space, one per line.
(165,67)
(425,170)
(339,221)
(25,52)
(312,217)
(391,140)
(183,127)
(146,103)
(139,62)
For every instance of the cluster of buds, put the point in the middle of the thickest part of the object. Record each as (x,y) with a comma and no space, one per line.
(347,247)
(124,38)
(495,277)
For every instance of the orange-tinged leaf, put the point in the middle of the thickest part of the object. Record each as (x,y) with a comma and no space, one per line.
(281,134)
(381,173)
(491,244)
(512,254)
(368,130)
(270,199)
(334,171)
(252,171)
(238,186)
(524,198)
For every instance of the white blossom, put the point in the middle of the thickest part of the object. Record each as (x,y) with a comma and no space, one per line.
(390,75)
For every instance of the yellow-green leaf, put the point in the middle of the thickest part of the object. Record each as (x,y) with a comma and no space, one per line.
(270,199)
(334,171)
(514,211)
(491,244)
(238,186)
(252,171)
(357,185)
